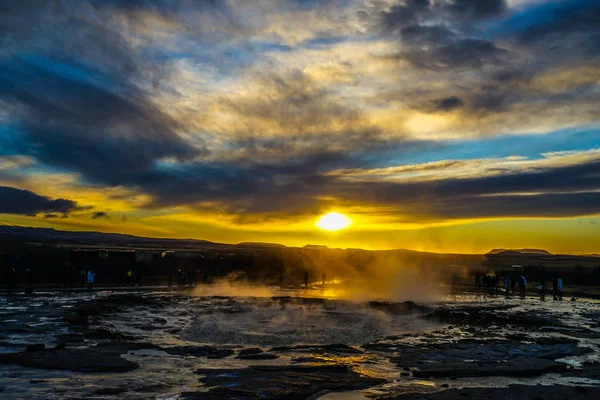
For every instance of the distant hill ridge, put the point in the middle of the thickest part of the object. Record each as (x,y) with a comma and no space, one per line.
(519,252)
(91,238)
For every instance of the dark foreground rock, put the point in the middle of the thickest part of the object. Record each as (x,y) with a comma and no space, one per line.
(336,349)
(259,356)
(493,315)
(538,392)
(198,351)
(407,307)
(279,382)
(477,358)
(77,360)
(35,347)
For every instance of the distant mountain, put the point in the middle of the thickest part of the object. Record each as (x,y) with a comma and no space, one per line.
(259,244)
(50,235)
(519,252)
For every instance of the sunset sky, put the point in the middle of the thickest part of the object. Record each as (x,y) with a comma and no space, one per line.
(440,125)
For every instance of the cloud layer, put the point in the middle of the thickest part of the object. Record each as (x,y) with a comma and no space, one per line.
(284,109)
(24,202)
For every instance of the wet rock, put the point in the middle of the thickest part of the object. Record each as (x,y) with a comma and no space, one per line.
(199,351)
(476,358)
(492,315)
(60,346)
(35,347)
(408,307)
(77,360)
(70,338)
(589,371)
(311,360)
(260,356)
(123,347)
(36,381)
(253,350)
(279,382)
(151,388)
(338,349)
(110,391)
(384,347)
(554,392)
(106,334)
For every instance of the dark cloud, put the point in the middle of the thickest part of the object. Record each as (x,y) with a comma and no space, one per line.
(82,97)
(100,214)
(557,24)
(449,103)
(476,9)
(559,192)
(455,54)
(422,34)
(428,14)
(401,15)
(25,202)
(441,35)
(100,125)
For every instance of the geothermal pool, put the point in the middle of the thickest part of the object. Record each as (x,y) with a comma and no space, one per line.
(269,343)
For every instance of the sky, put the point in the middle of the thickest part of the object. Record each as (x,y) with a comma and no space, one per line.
(439,125)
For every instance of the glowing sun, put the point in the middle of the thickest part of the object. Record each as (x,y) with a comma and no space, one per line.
(333,221)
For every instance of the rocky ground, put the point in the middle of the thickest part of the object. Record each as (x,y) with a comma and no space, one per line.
(164,345)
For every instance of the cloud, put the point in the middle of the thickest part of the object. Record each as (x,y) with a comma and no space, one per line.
(25,202)
(476,9)
(100,214)
(545,188)
(448,103)
(252,111)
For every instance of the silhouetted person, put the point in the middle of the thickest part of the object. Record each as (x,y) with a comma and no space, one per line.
(61,277)
(542,288)
(82,277)
(513,284)
(507,284)
(128,276)
(170,272)
(555,288)
(559,287)
(29,274)
(306,279)
(324,279)
(91,277)
(11,278)
(68,275)
(180,277)
(522,286)
(188,275)
(477,281)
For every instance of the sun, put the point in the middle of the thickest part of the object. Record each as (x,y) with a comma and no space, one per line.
(333,221)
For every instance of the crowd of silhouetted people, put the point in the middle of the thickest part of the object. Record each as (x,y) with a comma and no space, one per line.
(490,284)
(87,278)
